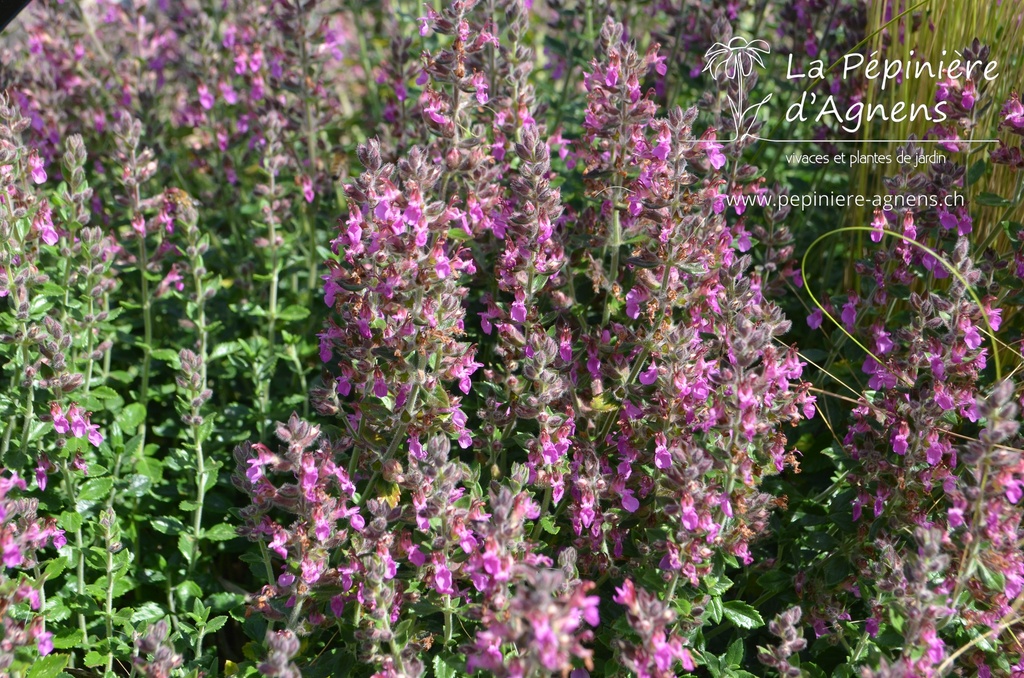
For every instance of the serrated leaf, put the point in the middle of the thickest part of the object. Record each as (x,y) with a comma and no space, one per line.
(459,234)
(151,468)
(216,623)
(715,609)
(221,532)
(54,568)
(734,655)
(224,349)
(742,614)
(49,666)
(992,200)
(442,669)
(138,485)
(185,543)
(130,417)
(293,313)
(104,393)
(976,172)
(167,355)
(63,640)
(167,524)
(95,489)
(147,612)
(70,521)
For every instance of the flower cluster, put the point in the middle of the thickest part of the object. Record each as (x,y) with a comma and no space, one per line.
(22,535)
(659,648)
(318,500)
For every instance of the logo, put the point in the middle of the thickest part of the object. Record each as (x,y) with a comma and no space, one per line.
(735,62)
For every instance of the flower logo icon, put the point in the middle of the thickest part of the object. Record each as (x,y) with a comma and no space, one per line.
(735,61)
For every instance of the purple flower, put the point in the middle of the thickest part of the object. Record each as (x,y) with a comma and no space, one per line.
(650,375)
(205,97)
(849,315)
(878,224)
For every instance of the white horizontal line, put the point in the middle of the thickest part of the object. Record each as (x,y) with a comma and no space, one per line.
(879,141)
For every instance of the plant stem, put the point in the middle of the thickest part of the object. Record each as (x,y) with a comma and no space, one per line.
(108,607)
(275,274)
(147,328)
(69,488)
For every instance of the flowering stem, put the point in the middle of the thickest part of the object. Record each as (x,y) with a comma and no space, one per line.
(543,511)
(29,399)
(293,619)
(447,620)
(614,239)
(147,328)
(672,586)
(106,354)
(198,387)
(275,273)
(307,110)
(395,441)
(108,607)
(90,345)
(197,518)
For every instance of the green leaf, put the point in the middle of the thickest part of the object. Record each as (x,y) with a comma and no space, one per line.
(96,489)
(712,664)
(992,200)
(130,418)
(54,568)
(104,393)
(976,172)
(94,658)
(138,485)
(49,666)
(167,355)
(734,655)
(742,615)
(442,669)
(459,234)
(222,532)
(293,313)
(62,640)
(715,609)
(547,523)
(147,612)
(70,521)
(216,623)
(224,349)
(167,525)
(185,544)
(151,468)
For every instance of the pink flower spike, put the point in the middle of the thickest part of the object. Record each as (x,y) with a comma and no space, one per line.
(95,437)
(35,164)
(78,422)
(60,422)
(44,641)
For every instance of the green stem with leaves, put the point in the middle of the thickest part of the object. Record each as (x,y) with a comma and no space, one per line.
(72,495)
